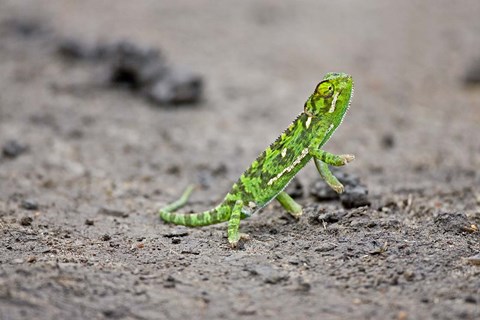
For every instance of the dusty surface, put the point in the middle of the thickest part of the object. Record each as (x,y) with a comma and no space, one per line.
(84,167)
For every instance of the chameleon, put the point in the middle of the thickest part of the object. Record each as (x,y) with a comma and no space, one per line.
(271,172)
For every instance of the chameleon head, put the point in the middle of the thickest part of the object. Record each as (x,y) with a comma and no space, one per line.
(331,98)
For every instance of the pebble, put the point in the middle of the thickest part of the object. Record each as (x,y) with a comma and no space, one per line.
(12,149)
(29,205)
(354,196)
(26,221)
(105,237)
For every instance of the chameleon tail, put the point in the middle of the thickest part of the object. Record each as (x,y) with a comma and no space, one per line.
(216,215)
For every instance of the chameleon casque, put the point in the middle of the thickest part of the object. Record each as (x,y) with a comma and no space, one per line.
(270,173)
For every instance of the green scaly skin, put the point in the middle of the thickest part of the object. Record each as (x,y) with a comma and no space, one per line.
(270,173)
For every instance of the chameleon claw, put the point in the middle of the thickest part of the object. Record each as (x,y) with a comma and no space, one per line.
(241,236)
(296,215)
(338,188)
(347,158)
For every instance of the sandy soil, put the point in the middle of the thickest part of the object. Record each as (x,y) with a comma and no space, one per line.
(85,167)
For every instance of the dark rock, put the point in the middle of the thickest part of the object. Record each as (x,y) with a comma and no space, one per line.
(25,28)
(135,67)
(29,205)
(354,197)
(170,282)
(26,221)
(89,222)
(355,194)
(12,149)
(388,141)
(143,70)
(105,237)
(322,192)
(176,233)
(74,50)
(176,87)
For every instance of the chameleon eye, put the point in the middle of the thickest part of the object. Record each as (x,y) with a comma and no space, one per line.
(325,89)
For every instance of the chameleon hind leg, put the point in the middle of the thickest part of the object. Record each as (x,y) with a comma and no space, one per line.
(234,223)
(289,204)
(328,176)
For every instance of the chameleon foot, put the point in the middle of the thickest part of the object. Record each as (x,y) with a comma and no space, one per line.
(347,158)
(338,188)
(241,236)
(296,215)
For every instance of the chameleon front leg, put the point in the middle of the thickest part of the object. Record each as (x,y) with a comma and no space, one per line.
(289,204)
(330,158)
(234,223)
(328,176)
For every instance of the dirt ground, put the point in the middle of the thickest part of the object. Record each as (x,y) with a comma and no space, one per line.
(85,167)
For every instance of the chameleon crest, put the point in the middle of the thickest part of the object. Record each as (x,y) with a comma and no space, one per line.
(274,168)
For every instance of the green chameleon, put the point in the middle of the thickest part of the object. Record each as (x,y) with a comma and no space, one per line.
(270,173)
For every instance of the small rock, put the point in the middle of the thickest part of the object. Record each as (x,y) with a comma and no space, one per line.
(388,141)
(105,237)
(354,197)
(409,275)
(169,282)
(176,87)
(31,259)
(89,222)
(176,240)
(402,315)
(12,149)
(74,50)
(322,192)
(303,286)
(25,28)
(26,221)
(29,205)
(176,232)
(135,67)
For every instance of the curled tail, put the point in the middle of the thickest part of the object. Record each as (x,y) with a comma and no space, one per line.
(218,214)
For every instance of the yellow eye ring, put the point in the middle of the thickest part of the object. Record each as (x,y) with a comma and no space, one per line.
(325,89)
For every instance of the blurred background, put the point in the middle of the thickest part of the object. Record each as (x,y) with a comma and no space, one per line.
(258,61)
